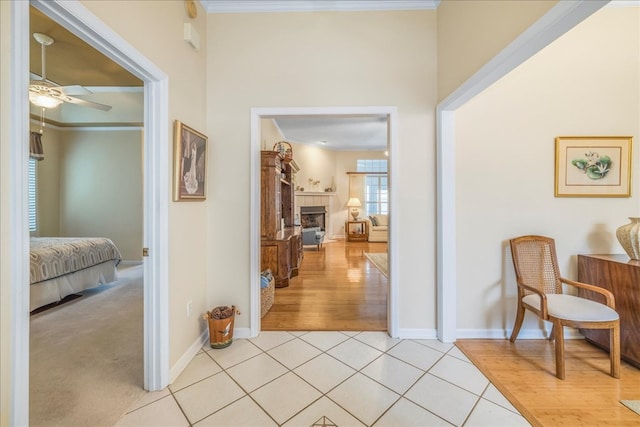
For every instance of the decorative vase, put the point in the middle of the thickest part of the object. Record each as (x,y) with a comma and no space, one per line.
(333,185)
(629,237)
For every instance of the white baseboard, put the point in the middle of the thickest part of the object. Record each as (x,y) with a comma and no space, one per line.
(187,356)
(242,333)
(417,334)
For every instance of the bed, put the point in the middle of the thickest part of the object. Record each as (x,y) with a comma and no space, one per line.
(61,266)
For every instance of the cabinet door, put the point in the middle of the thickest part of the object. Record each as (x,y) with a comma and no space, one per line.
(284,263)
(270,197)
(296,253)
(269,258)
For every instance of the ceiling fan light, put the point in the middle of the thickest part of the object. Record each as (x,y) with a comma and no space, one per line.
(44,101)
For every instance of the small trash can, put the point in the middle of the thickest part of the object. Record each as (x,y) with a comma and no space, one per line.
(221,326)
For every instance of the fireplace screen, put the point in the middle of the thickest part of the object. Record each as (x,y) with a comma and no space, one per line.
(313,216)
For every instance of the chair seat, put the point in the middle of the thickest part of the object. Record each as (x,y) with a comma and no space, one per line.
(572,308)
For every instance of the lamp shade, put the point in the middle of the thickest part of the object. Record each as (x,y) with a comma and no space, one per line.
(43,100)
(354,202)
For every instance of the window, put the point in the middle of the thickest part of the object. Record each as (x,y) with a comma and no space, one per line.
(376,186)
(33,195)
(372,165)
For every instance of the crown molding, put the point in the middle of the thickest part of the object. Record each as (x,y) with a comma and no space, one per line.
(253,6)
(64,127)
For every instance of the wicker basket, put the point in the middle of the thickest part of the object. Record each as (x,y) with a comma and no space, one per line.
(266,298)
(285,150)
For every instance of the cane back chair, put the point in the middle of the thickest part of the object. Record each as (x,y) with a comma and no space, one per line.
(540,291)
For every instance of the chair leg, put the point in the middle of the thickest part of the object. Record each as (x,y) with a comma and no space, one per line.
(559,336)
(553,332)
(614,350)
(518,323)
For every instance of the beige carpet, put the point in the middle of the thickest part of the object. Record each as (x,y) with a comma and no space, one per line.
(86,364)
(380,261)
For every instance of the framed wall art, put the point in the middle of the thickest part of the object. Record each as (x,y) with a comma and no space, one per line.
(190,165)
(593,166)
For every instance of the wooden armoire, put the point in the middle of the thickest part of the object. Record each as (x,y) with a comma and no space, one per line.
(281,242)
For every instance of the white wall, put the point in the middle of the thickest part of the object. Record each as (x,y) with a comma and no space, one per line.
(324,60)
(586,83)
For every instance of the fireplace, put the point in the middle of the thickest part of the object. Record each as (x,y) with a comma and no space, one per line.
(313,216)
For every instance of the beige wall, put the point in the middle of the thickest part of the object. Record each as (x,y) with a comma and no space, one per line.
(101,187)
(162,44)
(90,184)
(379,58)
(6,325)
(269,133)
(325,166)
(346,162)
(471,32)
(586,83)
(323,59)
(316,164)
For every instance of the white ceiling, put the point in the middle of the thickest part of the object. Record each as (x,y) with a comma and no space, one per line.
(338,133)
(253,6)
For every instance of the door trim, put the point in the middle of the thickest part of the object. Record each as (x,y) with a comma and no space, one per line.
(79,20)
(558,20)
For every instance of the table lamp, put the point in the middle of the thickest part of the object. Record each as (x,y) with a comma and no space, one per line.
(354,204)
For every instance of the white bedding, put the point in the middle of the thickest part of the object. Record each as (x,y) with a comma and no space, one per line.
(64,266)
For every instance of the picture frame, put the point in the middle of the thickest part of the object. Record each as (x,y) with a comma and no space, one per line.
(190,163)
(593,166)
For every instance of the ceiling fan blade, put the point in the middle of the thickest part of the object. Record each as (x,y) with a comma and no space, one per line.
(72,90)
(85,103)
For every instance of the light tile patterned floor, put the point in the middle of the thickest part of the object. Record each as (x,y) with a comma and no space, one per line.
(327,379)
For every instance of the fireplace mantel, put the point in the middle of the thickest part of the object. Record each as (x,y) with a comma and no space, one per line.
(315,193)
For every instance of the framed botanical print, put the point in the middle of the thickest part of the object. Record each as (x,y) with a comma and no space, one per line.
(593,166)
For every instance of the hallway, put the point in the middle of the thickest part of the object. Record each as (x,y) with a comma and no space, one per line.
(337,289)
(327,378)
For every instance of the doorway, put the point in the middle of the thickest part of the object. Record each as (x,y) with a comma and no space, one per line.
(257,114)
(77,19)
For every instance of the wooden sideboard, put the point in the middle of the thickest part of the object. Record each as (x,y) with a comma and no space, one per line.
(283,255)
(620,275)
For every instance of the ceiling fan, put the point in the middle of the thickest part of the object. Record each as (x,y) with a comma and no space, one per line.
(46,94)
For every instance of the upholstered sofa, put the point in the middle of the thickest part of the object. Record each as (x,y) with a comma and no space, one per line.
(378,226)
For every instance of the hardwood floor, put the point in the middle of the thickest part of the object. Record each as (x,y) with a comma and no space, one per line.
(337,289)
(525,373)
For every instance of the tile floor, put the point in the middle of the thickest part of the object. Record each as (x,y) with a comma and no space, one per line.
(327,379)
